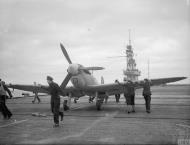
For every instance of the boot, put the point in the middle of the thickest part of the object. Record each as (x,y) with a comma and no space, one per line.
(55,125)
(61,113)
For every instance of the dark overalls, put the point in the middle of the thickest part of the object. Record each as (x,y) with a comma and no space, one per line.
(147,95)
(117,97)
(55,101)
(3,108)
(130,94)
(36,97)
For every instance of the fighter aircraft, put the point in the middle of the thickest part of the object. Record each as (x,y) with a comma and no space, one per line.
(84,83)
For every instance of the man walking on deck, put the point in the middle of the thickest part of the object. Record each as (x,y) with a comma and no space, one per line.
(3,96)
(147,94)
(55,90)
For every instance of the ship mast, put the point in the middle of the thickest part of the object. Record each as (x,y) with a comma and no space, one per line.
(131,72)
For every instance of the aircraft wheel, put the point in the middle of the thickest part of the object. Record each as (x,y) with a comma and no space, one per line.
(65,105)
(98,105)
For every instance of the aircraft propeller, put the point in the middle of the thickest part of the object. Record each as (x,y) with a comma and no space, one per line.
(73,69)
(69,75)
(65,81)
(65,54)
(81,67)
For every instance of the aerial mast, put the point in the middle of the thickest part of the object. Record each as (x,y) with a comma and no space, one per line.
(131,72)
(129,36)
(148,69)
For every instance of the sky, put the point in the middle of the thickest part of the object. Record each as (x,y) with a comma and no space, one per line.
(92,31)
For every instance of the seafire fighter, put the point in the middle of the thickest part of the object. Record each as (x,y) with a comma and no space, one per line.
(85,84)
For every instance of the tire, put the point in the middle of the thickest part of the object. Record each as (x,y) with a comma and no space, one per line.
(98,105)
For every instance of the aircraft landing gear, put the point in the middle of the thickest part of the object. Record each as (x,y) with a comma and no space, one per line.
(76,99)
(100,100)
(91,98)
(65,107)
(99,104)
(106,99)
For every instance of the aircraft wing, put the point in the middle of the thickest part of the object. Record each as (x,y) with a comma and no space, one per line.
(162,81)
(110,89)
(32,88)
(115,88)
(29,88)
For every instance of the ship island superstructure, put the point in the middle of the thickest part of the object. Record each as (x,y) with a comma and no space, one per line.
(131,72)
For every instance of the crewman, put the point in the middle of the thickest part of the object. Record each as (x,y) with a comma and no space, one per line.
(126,95)
(130,96)
(54,90)
(147,94)
(117,96)
(36,95)
(3,96)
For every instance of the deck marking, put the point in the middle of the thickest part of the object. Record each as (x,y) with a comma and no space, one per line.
(183,125)
(16,122)
(107,116)
(58,139)
(75,108)
(79,107)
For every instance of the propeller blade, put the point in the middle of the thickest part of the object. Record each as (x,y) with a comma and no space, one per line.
(65,81)
(92,68)
(65,53)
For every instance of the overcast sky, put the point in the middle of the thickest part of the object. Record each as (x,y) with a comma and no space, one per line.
(92,31)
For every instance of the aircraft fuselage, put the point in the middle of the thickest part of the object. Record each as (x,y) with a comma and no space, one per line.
(83,80)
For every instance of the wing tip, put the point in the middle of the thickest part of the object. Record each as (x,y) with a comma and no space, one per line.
(182,78)
(175,79)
